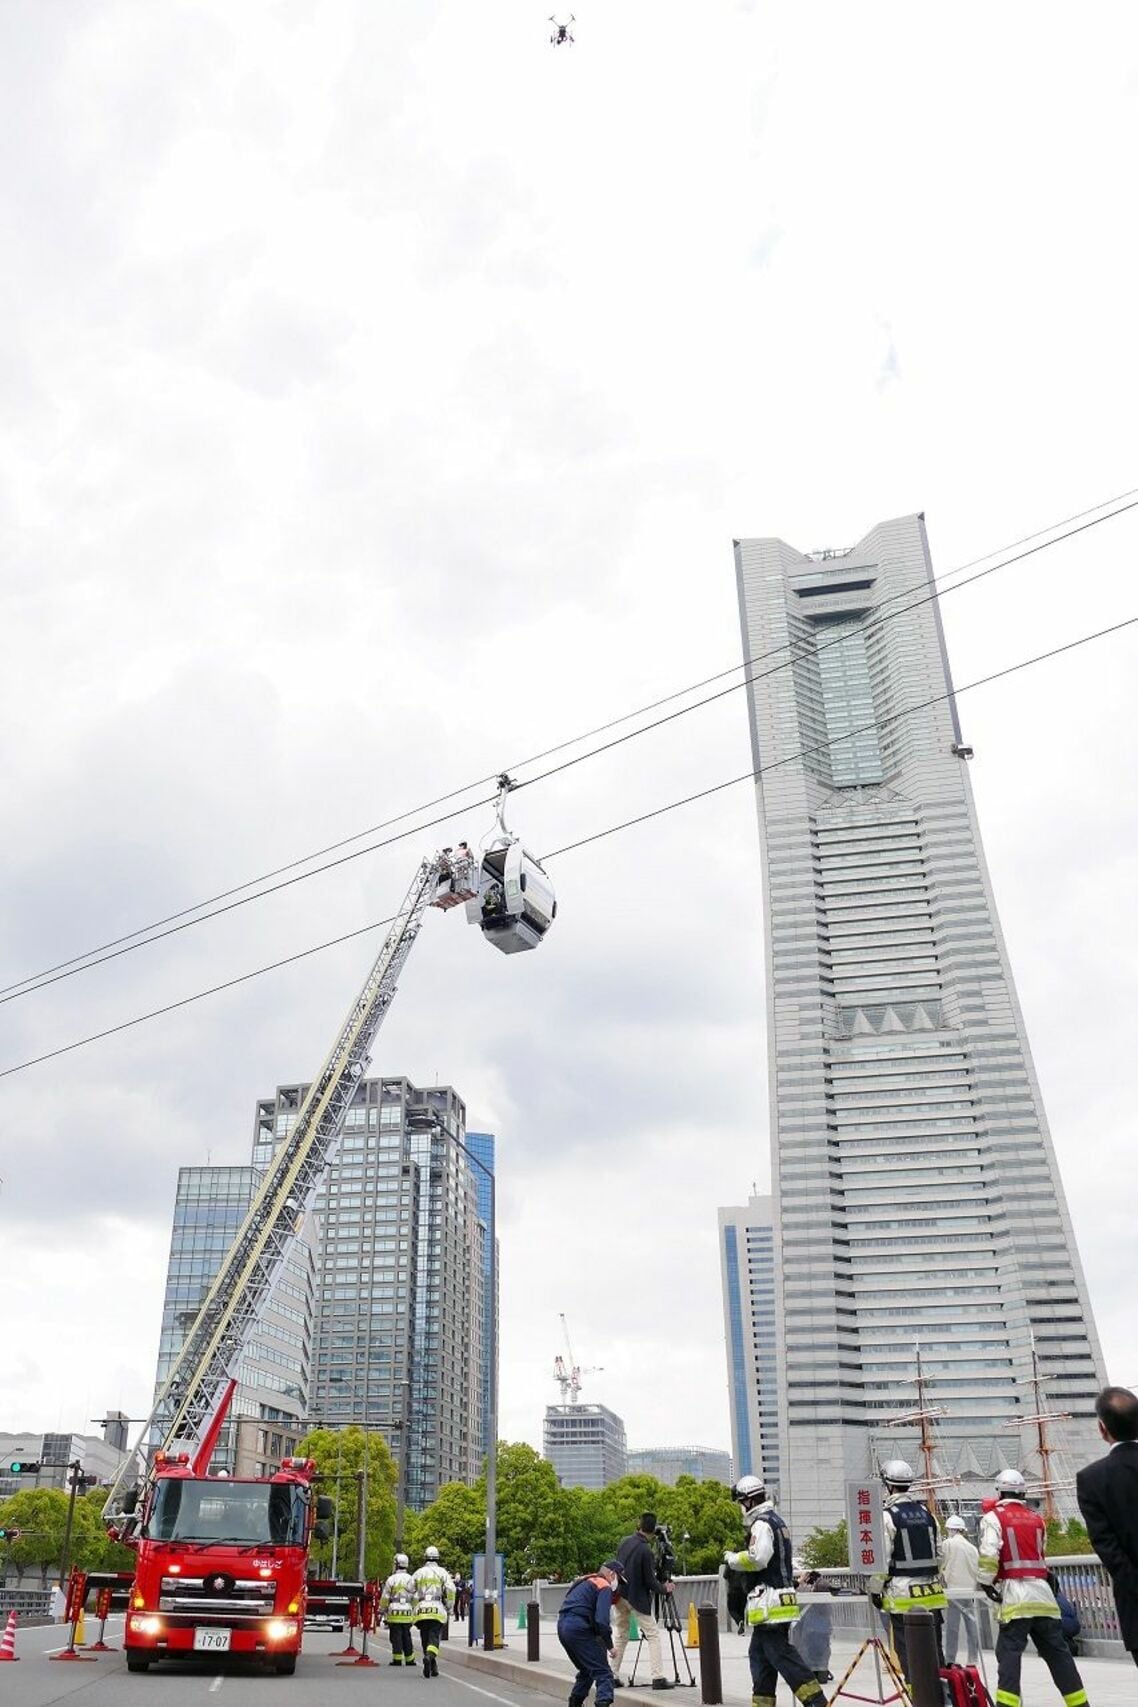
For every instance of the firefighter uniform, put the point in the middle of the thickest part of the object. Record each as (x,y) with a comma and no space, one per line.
(913,1580)
(772,1606)
(397,1609)
(434,1597)
(584,1629)
(1012,1555)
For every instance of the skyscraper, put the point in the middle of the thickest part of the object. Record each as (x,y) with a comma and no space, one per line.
(399,1288)
(482,1146)
(746,1256)
(917,1193)
(270,1407)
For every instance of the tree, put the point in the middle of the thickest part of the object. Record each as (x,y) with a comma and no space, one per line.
(339,1455)
(709,1516)
(455,1523)
(827,1548)
(1069,1537)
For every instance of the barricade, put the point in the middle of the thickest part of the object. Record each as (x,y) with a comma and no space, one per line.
(367,1607)
(102,1613)
(76,1597)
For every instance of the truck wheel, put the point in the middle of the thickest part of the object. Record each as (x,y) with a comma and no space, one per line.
(137,1662)
(285,1664)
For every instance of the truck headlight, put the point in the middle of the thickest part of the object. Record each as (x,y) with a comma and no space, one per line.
(147,1625)
(279,1629)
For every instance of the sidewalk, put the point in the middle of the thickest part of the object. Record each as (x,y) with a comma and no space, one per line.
(1109,1683)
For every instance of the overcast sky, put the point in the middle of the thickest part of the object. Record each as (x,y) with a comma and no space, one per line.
(380,392)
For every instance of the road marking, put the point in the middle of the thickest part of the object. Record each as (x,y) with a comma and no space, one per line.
(216,1684)
(489,1693)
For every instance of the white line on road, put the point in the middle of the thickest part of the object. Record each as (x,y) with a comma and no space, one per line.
(216,1684)
(489,1693)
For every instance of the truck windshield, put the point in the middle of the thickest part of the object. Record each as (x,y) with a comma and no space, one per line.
(270,1513)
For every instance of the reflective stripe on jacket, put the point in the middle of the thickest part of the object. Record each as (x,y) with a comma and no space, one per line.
(397,1601)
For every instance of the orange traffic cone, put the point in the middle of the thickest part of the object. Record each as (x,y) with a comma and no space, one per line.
(8,1640)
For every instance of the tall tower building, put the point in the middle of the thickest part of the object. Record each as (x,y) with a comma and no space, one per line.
(916,1188)
(746,1258)
(399,1288)
(482,1145)
(270,1407)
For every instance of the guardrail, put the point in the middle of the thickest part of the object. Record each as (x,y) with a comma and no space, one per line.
(1082,1576)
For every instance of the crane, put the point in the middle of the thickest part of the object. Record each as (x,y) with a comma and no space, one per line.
(568,1375)
(507,893)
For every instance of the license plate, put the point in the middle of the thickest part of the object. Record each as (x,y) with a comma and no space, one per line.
(210,1641)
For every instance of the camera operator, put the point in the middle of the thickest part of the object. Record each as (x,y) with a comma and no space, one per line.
(639,1567)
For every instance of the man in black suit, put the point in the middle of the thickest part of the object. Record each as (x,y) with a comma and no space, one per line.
(1107,1492)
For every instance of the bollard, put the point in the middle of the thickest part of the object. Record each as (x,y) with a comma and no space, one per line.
(488,1631)
(533,1630)
(710,1669)
(924,1662)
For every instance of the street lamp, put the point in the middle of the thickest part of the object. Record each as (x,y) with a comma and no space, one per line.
(426,1120)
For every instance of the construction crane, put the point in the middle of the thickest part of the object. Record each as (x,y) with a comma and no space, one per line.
(568,1375)
(508,895)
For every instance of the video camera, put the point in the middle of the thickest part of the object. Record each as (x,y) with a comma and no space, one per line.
(665,1554)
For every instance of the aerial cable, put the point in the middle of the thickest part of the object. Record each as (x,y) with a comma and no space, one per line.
(585,841)
(800,650)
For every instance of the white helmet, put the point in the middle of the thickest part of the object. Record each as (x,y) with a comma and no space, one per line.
(748,1491)
(401,1561)
(432,1555)
(956,1522)
(1010,1482)
(895,1473)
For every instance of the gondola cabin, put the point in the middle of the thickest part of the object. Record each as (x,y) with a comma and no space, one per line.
(515,904)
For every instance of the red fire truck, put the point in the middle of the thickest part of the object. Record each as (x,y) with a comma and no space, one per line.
(222,1564)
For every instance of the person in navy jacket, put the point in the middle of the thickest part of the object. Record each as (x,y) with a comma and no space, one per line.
(584,1629)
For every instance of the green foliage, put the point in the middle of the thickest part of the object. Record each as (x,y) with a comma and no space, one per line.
(826,1548)
(339,1455)
(41,1515)
(1069,1537)
(549,1531)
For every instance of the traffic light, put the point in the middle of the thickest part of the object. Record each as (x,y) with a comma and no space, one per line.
(10,1534)
(23,1467)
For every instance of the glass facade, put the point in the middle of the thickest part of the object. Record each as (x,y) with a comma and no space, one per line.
(398,1336)
(746,1247)
(482,1145)
(916,1189)
(271,1402)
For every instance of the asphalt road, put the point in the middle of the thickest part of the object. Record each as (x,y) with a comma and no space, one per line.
(39,1681)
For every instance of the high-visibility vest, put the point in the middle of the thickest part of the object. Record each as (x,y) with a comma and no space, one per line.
(1023,1540)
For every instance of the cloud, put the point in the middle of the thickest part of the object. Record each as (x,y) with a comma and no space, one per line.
(379,398)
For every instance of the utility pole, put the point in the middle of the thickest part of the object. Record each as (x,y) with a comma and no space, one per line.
(75,1478)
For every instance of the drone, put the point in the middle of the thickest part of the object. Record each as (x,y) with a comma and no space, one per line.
(562,34)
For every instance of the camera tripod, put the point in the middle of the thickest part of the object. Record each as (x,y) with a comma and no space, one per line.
(664,1611)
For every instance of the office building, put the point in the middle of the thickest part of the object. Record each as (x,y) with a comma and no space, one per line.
(54,1453)
(270,1406)
(482,1146)
(746,1259)
(916,1187)
(399,1310)
(585,1444)
(669,1463)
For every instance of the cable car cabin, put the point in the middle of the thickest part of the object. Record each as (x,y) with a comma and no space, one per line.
(515,905)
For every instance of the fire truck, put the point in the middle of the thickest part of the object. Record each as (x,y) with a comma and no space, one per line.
(222,1562)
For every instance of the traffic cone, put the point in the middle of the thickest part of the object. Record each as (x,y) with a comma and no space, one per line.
(693,1627)
(633,1628)
(80,1630)
(8,1640)
(522,1616)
